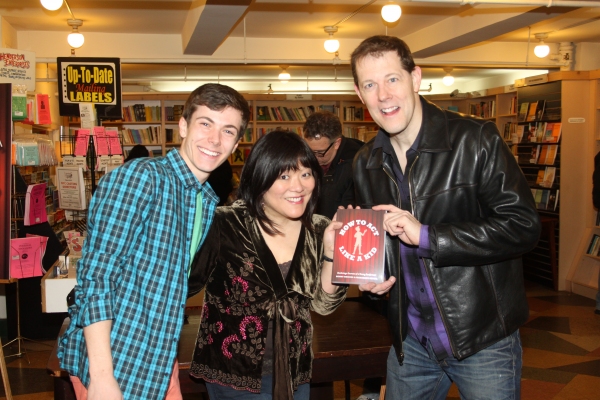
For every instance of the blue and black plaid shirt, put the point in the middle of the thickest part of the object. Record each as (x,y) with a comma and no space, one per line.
(134,271)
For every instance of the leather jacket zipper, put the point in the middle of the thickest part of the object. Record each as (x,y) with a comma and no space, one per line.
(435,297)
(399,204)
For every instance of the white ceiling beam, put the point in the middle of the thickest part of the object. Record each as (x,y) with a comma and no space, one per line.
(208,24)
(474,26)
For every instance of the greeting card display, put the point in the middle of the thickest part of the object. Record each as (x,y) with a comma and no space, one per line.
(359,251)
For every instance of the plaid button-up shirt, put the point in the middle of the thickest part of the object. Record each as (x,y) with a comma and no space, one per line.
(134,270)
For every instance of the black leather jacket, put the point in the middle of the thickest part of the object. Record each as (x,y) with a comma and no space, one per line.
(467,187)
(337,186)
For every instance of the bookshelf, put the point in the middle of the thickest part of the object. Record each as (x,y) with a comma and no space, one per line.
(583,273)
(496,105)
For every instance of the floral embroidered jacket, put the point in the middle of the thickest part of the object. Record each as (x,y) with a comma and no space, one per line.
(244,289)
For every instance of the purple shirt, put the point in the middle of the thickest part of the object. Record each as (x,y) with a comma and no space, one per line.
(425,320)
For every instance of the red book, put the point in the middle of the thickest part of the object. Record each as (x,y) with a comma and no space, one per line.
(359,251)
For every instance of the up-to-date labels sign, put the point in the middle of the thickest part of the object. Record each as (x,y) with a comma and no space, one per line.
(89,83)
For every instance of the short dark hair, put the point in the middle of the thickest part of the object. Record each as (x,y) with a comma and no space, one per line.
(137,151)
(216,97)
(273,154)
(376,46)
(323,123)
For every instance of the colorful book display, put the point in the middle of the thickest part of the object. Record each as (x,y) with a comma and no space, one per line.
(359,247)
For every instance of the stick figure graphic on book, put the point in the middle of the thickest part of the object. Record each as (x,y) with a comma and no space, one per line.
(358,240)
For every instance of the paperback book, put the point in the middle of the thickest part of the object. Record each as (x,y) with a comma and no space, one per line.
(359,251)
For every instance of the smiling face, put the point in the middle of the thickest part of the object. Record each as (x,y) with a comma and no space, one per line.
(390,93)
(289,195)
(209,139)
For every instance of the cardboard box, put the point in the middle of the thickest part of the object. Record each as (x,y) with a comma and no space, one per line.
(55,290)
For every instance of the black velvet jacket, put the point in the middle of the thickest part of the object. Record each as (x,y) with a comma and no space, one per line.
(244,289)
(466,185)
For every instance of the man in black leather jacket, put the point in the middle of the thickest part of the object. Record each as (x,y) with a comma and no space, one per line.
(323,133)
(459,216)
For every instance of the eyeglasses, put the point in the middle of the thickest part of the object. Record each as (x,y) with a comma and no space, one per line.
(321,153)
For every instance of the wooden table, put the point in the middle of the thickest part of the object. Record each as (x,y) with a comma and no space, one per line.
(351,343)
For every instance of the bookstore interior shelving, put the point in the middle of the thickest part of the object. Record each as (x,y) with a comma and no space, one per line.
(583,274)
(570,98)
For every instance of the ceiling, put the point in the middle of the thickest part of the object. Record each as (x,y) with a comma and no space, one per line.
(185,41)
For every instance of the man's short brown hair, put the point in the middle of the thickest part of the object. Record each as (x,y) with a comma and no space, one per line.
(376,46)
(322,124)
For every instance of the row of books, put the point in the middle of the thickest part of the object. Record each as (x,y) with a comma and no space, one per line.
(533,111)
(149,135)
(363,133)
(33,150)
(260,132)
(483,109)
(509,132)
(545,199)
(172,136)
(543,154)
(541,132)
(357,114)
(545,177)
(282,113)
(141,113)
(32,109)
(173,113)
(594,247)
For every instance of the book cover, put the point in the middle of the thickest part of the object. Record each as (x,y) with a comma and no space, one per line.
(71,188)
(540,177)
(101,141)
(543,154)
(26,257)
(556,131)
(35,205)
(359,251)
(539,110)
(535,152)
(522,117)
(43,116)
(551,201)
(549,175)
(531,111)
(237,158)
(551,155)
(114,143)
(81,142)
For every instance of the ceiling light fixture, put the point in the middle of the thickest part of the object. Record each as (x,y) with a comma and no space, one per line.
(542,49)
(284,76)
(75,38)
(448,80)
(52,5)
(331,45)
(391,12)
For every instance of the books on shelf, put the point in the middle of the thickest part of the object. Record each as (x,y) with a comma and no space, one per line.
(148,135)
(531,111)
(522,117)
(552,133)
(359,250)
(539,110)
(545,199)
(546,177)
(543,154)
(594,246)
(82,137)
(141,113)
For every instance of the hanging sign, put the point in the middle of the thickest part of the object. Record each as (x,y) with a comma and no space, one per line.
(90,80)
(18,67)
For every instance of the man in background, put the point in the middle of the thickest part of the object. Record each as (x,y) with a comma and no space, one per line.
(323,133)
(459,215)
(596,201)
(146,221)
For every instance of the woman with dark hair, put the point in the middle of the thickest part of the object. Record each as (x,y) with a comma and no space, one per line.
(137,151)
(265,264)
